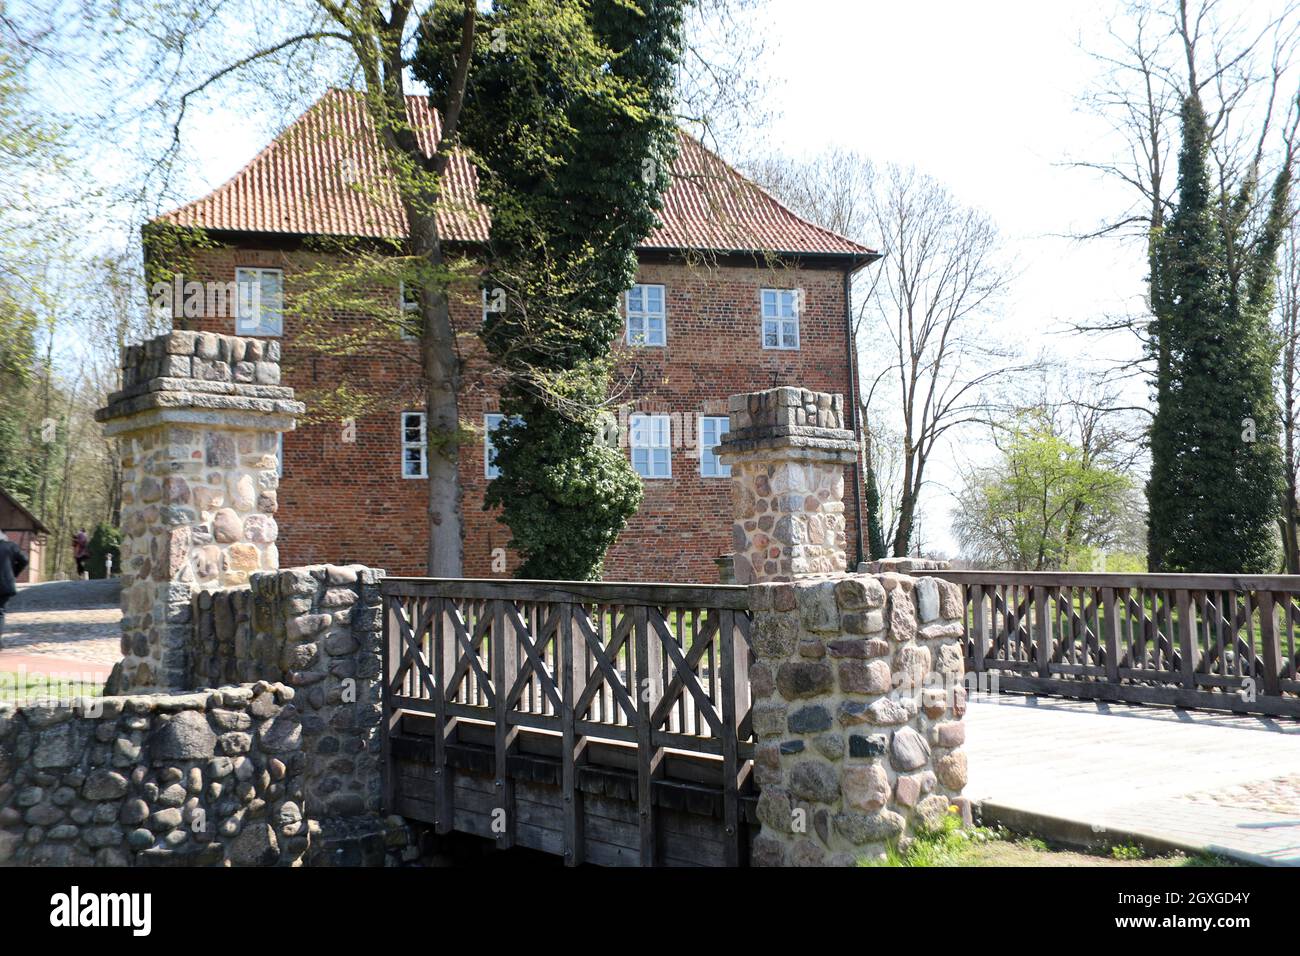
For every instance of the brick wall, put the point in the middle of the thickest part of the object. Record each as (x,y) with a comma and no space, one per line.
(713,351)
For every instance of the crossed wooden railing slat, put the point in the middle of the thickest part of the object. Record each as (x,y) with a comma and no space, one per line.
(558,656)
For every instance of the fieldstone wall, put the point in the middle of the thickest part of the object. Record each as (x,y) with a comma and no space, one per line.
(279,772)
(858,701)
(787,448)
(213,778)
(317,629)
(265,751)
(857,678)
(198,420)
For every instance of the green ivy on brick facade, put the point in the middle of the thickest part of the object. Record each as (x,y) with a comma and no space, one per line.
(568,119)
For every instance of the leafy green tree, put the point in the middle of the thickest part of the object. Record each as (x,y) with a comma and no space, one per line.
(1044,503)
(200,46)
(29,154)
(143,60)
(568,117)
(1216,470)
(18,472)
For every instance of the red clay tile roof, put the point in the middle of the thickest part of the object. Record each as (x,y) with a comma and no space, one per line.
(324,176)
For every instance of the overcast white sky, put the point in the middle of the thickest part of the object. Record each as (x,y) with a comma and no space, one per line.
(985,98)
(982,96)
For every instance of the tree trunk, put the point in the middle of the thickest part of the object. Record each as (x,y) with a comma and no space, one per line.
(442,410)
(440,364)
(903,535)
(906,500)
(912,480)
(42,497)
(1290,518)
(871,500)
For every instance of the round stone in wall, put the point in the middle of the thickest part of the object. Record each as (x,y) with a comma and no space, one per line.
(908,749)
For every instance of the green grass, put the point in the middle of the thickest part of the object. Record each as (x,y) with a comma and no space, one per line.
(950,845)
(23,688)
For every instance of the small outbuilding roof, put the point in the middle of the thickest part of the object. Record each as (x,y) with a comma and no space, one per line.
(14,517)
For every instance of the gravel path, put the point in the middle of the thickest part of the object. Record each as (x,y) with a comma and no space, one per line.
(1281,795)
(77,620)
(66,595)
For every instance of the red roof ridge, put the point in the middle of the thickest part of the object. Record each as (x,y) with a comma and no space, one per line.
(773,200)
(296,191)
(804,219)
(264,151)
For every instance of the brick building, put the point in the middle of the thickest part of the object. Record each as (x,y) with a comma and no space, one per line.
(734,293)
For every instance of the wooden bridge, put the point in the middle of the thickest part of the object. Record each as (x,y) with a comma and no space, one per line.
(605,723)
(1213,641)
(610,723)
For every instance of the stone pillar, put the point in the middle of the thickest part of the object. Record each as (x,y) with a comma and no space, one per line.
(787,449)
(857,678)
(858,699)
(198,418)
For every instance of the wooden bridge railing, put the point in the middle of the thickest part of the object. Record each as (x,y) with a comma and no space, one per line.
(1227,642)
(657,667)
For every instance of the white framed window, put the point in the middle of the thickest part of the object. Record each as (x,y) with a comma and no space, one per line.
(712,428)
(651,441)
(647,320)
(415,446)
(780,318)
(261,302)
(494,301)
(491,422)
(279,455)
(409,297)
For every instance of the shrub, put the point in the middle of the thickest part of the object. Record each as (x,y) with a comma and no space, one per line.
(1127,851)
(104,540)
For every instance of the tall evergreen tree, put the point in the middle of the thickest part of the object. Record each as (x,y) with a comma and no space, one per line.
(875,531)
(568,118)
(1216,476)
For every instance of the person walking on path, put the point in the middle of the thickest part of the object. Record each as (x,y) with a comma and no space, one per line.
(81,551)
(12,564)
